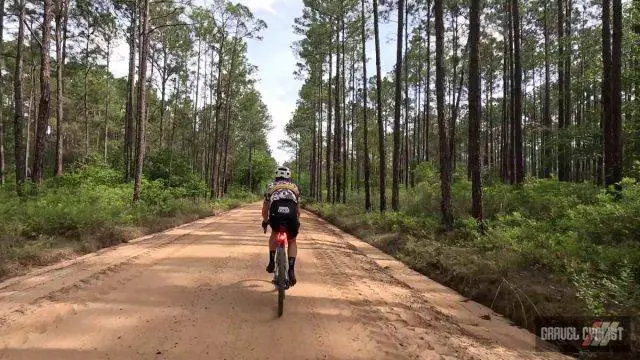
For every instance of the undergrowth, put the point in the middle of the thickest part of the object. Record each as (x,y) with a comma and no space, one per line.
(90,208)
(563,248)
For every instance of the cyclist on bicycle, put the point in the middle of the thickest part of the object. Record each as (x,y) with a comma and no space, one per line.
(280,208)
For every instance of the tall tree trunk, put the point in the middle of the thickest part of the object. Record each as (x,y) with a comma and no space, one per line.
(381,130)
(445,161)
(163,91)
(329,131)
(32,114)
(504,129)
(2,154)
(218,107)
(131,91)
(568,143)
(406,95)
(87,148)
(194,129)
(337,125)
(228,105)
(475,109)
(365,116)
(345,134)
(547,162)
(314,143)
(45,95)
(61,15)
(518,153)
(142,100)
(512,102)
(613,122)
(18,120)
(562,175)
(106,105)
(427,107)
(395,194)
(320,140)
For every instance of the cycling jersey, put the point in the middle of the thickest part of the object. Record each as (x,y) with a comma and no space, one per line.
(282,190)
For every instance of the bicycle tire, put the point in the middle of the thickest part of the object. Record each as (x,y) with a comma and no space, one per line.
(280,302)
(281,261)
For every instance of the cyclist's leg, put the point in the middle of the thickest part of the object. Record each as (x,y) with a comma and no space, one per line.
(275,220)
(293,226)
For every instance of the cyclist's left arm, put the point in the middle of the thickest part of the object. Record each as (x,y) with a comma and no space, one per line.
(265,210)
(299,199)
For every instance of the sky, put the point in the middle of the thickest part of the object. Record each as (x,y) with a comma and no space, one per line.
(276,61)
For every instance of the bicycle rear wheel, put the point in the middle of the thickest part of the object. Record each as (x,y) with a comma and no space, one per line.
(281,261)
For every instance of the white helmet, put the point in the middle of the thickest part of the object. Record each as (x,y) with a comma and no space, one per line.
(283,172)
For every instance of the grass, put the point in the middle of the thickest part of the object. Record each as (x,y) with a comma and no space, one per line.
(89,209)
(550,248)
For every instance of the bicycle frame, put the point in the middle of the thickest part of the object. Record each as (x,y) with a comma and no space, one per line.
(281,276)
(282,239)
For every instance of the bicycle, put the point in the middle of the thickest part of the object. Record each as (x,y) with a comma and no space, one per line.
(281,274)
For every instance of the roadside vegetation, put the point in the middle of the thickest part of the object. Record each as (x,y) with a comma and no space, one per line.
(498,152)
(90,207)
(88,159)
(547,248)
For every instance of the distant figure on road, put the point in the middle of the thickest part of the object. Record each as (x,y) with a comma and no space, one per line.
(280,208)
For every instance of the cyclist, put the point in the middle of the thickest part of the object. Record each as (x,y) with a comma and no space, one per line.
(280,208)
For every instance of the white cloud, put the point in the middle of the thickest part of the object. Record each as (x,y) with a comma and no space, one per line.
(264,5)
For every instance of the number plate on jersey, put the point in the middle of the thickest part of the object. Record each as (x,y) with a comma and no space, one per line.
(284,210)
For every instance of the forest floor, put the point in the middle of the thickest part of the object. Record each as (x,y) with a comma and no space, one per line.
(200,291)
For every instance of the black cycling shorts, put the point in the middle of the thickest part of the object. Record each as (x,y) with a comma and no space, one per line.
(285,213)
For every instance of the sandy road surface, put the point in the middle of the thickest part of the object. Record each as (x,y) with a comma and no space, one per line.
(200,292)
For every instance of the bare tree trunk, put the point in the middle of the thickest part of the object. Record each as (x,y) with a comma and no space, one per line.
(381,130)
(367,164)
(106,106)
(567,92)
(407,170)
(338,122)
(18,121)
(546,125)
(45,95)
(475,109)
(194,129)
(229,104)
(518,153)
(427,110)
(445,161)
(163,91)
(612,85)
(142,100)
(562,175)
(2,155)
(32,113)
(329,119)
(504,138)
(87,148)
(218,107)
(61,37)
(343,88)
(320,105)
(131,90)
(395,193)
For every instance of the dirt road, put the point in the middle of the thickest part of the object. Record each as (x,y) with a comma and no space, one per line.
(200,291)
